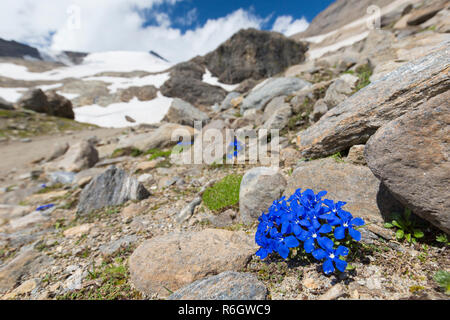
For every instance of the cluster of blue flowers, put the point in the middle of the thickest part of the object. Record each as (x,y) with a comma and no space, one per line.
(306,217)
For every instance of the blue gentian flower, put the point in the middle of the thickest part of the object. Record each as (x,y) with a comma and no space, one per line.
(347,222)
(331,256)
(307,218)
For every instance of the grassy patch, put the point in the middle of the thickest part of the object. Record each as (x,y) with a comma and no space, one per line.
(109,282)
(223,194)
(157,153)
(134,152)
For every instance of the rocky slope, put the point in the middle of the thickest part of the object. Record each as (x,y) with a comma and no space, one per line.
(90,213)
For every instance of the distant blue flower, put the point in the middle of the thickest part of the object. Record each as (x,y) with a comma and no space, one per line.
(45,207)
(237,146)
(331,256)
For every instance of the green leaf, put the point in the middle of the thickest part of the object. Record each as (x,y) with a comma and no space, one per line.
(388,225)
(442,238)
(407,213)
(399,234)
(418,234)
(408,237)
(397,224)
(350,267)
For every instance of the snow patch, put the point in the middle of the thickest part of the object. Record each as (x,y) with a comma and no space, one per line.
(12,94)
(210,79)
(114,115)
(156,80)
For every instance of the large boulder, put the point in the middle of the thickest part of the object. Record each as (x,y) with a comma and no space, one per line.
(358,117)
(80,156)
(254,54)
(186,83)
(259,188)
(410,156)
(269,89)
(182,112)
(366,197)
(175,260)
(59,106)
(35,100)
(228,285)
(111,188)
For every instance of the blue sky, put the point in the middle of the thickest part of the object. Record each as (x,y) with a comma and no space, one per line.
(213,9)
(176,29)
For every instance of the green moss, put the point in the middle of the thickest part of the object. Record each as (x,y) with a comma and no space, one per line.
(134,152)
(223,194)
(157,153)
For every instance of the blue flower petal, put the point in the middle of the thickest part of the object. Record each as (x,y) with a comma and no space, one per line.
(319,254)
(262,253)
(309,245)
(297,230)
(339,233)
(326,243)
(328,266)
(341,265)
(283,250)
(325,228)
(291,242)
(357,222)
(341,251)
(355,234)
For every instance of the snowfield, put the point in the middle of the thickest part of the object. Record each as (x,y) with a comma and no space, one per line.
(113,116)
(93,65)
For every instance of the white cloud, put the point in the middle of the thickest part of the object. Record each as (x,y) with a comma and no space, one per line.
(189,18)
(106,25)
(288,26)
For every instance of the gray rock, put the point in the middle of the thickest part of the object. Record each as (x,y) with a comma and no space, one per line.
(259,188)
(338,91)
(160,138)
(225,286)
(35,100)
(356,155)
(188,211)
(269,89)
(175,260)
(223,219)
(366,197)
(81,155)
(254,54)
(58,151)
(59,106)
(226,103)
(186,83)
(279,118)
(111,188)
(410,156)
(359,116)
(62,177)
(320,108)
(182,112)
(274,104)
